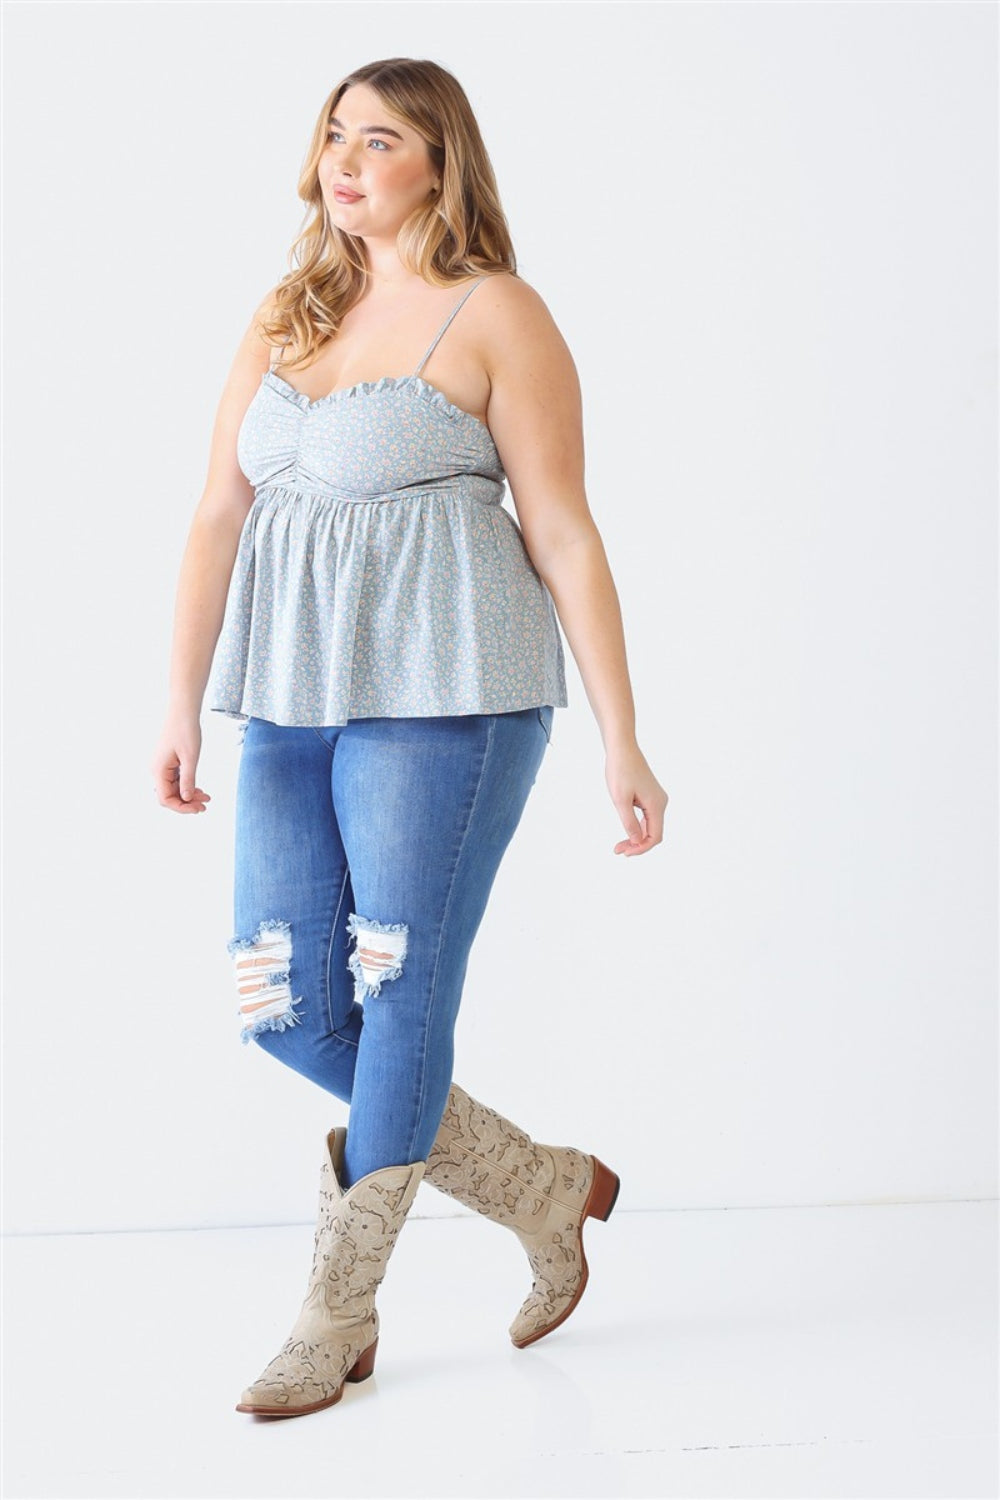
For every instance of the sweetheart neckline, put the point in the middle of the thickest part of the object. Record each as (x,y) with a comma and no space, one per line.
(383,382)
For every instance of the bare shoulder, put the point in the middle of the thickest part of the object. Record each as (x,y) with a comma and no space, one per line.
(509,304)
(518,335)
(262,315)
(535,416)
(514,291)
(253,354)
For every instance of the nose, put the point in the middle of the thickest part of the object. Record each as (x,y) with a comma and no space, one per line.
(345,160)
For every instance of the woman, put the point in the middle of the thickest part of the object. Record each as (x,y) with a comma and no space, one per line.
(385,634)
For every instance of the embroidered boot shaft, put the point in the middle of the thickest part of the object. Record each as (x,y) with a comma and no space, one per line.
(336,1334)
(543,1193)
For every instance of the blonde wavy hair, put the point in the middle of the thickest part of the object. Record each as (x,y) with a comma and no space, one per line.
(461,232)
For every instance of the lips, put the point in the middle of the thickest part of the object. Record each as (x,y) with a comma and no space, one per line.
(346,196)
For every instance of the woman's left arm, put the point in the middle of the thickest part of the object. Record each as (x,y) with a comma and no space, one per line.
(535,418)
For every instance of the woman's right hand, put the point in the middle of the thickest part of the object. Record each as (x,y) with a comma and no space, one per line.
(175,764)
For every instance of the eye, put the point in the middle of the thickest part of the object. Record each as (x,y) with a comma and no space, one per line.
(373,142)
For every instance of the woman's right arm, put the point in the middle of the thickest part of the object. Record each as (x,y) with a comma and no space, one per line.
(205,573)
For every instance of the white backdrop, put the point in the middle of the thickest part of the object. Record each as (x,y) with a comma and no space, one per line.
(768,234)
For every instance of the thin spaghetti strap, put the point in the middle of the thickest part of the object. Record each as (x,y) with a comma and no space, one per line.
(437,337)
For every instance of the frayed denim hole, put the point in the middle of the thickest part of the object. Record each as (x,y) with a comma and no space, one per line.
(263,978)
(378,956)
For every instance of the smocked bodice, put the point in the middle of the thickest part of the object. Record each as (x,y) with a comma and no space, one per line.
(377,440)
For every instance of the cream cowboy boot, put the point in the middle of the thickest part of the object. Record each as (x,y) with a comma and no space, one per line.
(336,1334)
(543,1193)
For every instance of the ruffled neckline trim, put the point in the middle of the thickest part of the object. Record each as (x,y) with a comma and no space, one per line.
(420,387)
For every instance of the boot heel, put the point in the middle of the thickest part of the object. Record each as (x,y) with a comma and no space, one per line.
(603,1192)
(364,1365)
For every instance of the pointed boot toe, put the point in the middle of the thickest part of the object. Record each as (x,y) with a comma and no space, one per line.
(335,1336)
(307,1377)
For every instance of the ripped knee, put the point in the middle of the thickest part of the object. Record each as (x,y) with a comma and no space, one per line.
(381,948)
(263,980)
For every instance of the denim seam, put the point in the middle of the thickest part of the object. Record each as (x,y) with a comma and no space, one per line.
(444,921)
(349,1041)
(320,737)
(333,930)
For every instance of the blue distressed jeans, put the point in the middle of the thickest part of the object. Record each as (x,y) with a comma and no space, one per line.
(364,858)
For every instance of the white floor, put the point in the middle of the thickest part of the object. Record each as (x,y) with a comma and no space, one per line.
(809,1352)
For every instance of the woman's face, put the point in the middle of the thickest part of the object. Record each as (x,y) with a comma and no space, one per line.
(372,153)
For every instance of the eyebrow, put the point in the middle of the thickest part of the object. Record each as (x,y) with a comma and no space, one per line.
(367,129)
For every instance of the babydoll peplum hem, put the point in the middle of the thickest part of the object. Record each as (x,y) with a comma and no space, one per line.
(257,711)
(416,605)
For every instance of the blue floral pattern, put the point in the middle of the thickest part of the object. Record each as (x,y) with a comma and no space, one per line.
(377,571)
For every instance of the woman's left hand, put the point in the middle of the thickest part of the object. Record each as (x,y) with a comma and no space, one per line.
(632,784)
